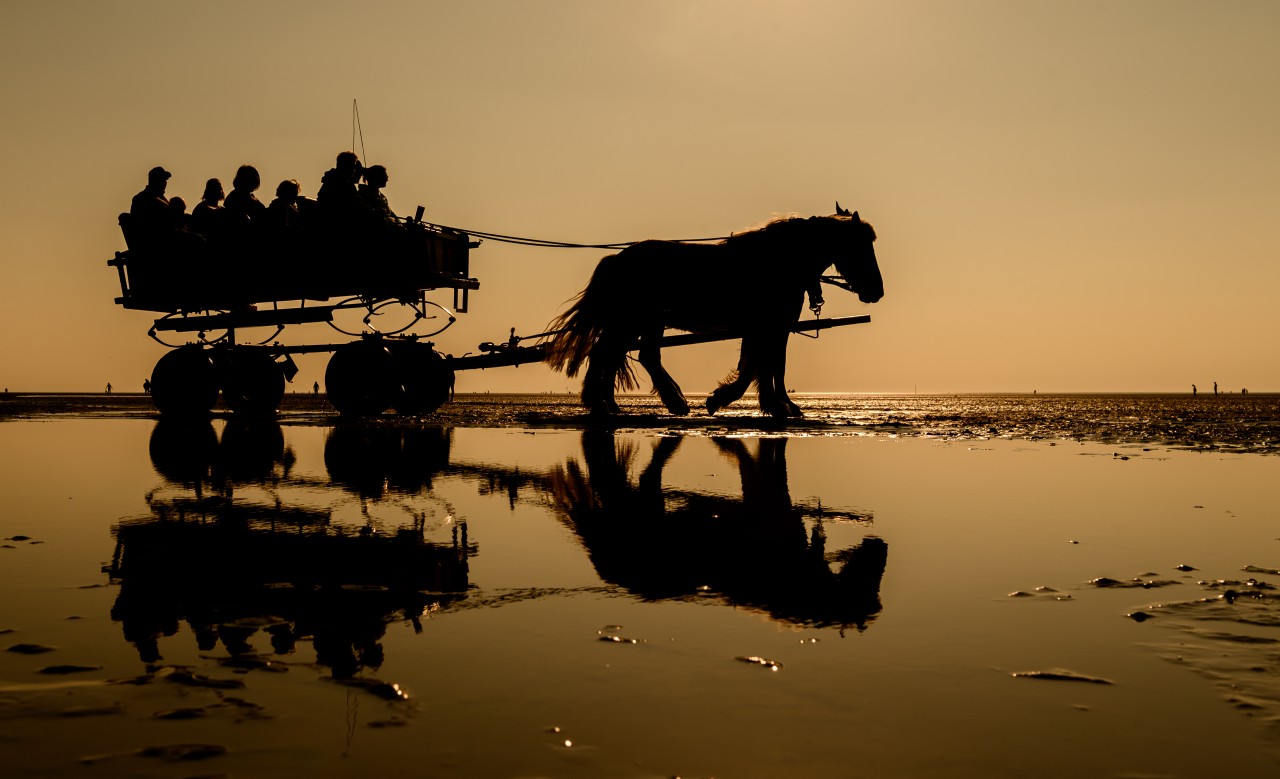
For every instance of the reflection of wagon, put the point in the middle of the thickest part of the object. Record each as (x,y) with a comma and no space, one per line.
(208,293)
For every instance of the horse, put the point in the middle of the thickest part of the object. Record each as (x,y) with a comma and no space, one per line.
(752,283)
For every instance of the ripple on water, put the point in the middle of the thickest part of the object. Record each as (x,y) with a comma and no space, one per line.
(1231,638)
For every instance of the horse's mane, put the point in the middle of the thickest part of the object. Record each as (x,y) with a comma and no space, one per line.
(791,226)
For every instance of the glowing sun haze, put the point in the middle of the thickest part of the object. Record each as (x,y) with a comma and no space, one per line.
(1069,196)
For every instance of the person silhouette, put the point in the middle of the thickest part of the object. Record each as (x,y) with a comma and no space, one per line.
(206,217)
(1193,390)
(242,206)
(338,184)
(1215,388)
(178,212)
(283,211)
(370,192)
(149,209)
(108,388)
(151,203)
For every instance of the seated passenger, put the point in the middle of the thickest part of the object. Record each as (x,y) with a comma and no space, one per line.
(283,212)
(242,206)
(337,193)
(178,213)
(150,208)
(370,192)
(206,217)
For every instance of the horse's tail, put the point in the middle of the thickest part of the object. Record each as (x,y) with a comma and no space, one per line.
(576,330)
(582,325)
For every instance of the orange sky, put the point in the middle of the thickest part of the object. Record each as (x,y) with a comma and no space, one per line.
(1070,196)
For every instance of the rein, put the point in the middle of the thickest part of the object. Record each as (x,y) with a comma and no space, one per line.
(519,241)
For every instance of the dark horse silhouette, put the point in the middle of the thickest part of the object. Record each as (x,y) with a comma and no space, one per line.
(752,284)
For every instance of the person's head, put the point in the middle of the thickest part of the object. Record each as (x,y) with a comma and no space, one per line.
(212,191)
(158,178)
(289,189)
(349,164)
(347,160)
(177,205)
(246,179)
(376,176)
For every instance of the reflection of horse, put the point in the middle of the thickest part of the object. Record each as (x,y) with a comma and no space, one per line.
(752,552)
(753,283)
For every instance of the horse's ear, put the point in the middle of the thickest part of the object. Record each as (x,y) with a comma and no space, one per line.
(855,216)
(840,211)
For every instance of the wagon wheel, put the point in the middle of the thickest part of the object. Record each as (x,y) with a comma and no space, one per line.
(361,378)
(426,379)
(185,382)
(253,383)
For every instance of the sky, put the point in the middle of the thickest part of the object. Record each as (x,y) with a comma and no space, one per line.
(1069,196)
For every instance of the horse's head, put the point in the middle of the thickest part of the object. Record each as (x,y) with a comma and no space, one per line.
(855,259)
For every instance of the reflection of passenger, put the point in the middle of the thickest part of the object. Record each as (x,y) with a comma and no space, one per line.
(207,215)
(370,192)
(754,552)
(242,206)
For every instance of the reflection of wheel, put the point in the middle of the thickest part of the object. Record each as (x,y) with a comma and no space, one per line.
(183,451)
(251,449)
(361,378)
(253,383)
(425,378)
(184,382)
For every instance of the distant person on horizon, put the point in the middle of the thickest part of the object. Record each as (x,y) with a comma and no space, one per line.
(1193,390)
(108,388)
(1215,388)
(315,388)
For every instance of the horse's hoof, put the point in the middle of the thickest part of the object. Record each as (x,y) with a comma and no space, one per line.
(712,406)
(680,409)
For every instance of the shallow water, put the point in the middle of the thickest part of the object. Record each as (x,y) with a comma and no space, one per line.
(722,598)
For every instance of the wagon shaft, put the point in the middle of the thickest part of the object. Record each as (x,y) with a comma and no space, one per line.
(519,355)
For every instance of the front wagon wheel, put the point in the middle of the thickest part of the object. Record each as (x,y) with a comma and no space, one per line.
(184,382)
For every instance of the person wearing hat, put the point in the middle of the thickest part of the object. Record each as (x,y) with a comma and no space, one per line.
(150,208)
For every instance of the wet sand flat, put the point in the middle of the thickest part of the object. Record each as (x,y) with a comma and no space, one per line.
(725,599)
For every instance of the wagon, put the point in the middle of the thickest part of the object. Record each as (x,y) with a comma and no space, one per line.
(224,304)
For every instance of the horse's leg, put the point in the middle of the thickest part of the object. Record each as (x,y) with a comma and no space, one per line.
(732,388)
(666,387)
(609,354)
(592,396)
(772,368)
(780,378)
(603,362)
